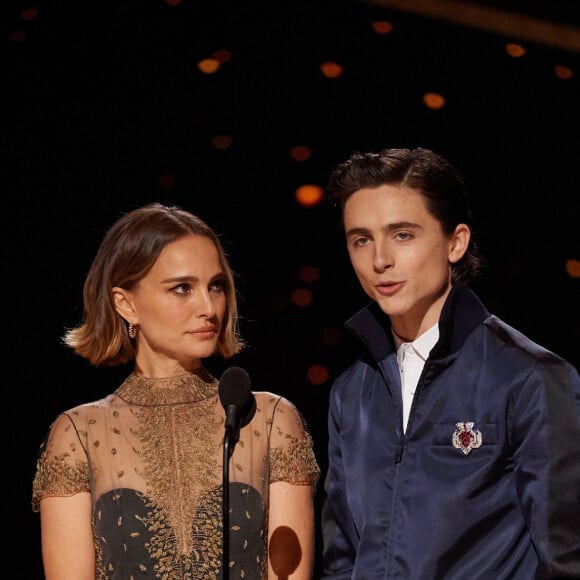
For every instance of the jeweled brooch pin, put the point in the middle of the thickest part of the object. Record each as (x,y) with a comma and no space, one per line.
(465,437)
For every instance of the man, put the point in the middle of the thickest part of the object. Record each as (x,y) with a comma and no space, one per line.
(454,441)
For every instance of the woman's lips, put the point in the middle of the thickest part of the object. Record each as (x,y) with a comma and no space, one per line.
(205,332)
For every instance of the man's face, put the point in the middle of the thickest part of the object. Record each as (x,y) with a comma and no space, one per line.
(400,254)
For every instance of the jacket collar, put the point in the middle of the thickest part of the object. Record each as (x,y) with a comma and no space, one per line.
(461,314)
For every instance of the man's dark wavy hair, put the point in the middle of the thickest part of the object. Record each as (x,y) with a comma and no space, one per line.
(422,170)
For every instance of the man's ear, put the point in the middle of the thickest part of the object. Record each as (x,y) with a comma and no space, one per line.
(124,305)
(459,243)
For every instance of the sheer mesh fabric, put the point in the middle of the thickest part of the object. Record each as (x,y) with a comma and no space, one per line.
(151,455)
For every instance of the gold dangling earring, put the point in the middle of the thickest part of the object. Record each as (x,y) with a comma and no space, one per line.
(132,331)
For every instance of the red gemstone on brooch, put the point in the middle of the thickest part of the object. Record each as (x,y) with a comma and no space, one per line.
(465,437)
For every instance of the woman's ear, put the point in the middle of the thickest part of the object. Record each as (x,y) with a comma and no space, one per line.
(459,243)
(124,305)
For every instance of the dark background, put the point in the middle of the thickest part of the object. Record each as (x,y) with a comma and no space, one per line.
(105,110)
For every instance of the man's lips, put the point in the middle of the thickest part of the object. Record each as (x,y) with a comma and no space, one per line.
(388,288)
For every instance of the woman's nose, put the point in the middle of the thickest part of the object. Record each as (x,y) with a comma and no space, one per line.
(206,306)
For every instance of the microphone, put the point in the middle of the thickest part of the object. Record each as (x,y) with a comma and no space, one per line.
(240,405)
(237,399)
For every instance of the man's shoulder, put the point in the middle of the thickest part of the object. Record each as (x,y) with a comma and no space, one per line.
(507,336)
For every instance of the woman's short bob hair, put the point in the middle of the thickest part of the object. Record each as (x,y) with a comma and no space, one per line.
(125,256)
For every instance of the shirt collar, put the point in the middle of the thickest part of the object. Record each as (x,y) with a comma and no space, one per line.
(422,344)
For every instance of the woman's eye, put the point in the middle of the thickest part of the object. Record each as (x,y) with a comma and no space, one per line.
(182,289)
(217,285)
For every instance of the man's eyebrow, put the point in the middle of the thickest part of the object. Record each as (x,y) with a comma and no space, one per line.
(387,228)
(402,225)
(357,231)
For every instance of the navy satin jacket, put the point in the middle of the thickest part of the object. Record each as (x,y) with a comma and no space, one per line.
(484,484)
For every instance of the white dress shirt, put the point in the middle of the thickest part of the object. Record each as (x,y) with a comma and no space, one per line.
(411,357)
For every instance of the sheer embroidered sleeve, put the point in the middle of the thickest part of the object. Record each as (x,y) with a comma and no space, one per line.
(292,456)
(62,467)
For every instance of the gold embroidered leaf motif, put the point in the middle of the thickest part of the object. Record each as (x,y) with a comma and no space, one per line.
(59,476)
(296,463)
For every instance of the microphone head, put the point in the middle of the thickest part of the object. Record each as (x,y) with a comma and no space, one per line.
(235,387)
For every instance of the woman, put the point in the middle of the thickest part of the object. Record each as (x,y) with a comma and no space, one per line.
(131,486)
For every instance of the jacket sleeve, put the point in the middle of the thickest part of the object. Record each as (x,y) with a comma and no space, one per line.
(339,533)
(546,438)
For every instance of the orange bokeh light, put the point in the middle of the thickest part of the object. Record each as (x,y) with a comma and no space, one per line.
(222,142)
(573,268)
(309,274)
(563,72)
(301,297)
(17,36)
(515,50)
(309,195)
(29,13)
(332,70)
(434,100)
(222,55)
(300,153)
(382,27)
(317,374)
(208,65)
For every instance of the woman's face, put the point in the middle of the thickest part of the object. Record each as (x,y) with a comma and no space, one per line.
(179,306)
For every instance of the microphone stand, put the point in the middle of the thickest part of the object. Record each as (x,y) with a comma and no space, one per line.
(233,404)
(228,438)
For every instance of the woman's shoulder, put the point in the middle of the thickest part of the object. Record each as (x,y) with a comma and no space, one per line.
(279,410)
(82,409)
(271,400)
(266,396)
